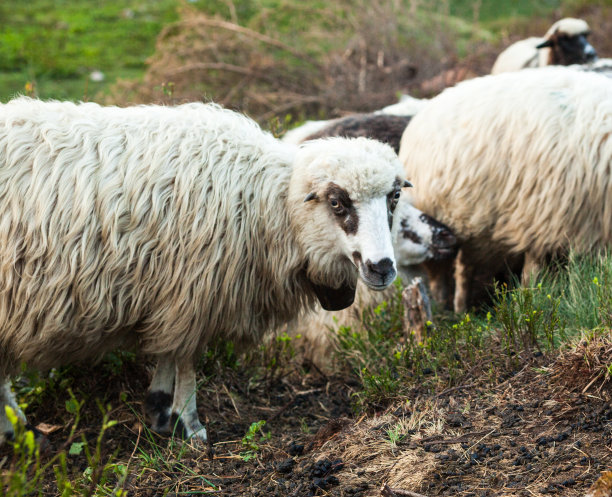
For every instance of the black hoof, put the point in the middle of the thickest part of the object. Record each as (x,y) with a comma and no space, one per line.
(177,427)
(157,408)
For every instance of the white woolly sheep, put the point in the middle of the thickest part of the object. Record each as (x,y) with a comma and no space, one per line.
(564,43)
(416,237)
(516,164)
(168,227)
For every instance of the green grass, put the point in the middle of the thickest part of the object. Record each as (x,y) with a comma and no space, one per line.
(583,287)
(57,44)
(493,10)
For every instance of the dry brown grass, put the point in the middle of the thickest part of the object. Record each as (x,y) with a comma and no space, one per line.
(357,60)
(586,367)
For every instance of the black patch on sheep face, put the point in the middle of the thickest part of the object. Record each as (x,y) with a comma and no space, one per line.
(567,50)
(408,234)
(392,200)
(342,208)
(157,405)
(382,127)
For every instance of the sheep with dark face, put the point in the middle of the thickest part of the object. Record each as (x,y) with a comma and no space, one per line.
(382,127)
(518,165)
(565,43)
(165,228)
(383,120)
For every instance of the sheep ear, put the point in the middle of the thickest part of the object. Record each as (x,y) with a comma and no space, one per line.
(334,299)
(544,44)
(407,184)
(310,196)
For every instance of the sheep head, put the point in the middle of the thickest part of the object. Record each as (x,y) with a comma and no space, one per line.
(418,237)
(567,41)
(342,196)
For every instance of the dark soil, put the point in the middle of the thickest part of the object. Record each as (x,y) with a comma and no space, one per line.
(539,432)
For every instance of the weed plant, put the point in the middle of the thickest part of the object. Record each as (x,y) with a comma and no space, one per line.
(27,472)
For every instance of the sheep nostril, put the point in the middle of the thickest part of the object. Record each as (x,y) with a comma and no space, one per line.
(382,267)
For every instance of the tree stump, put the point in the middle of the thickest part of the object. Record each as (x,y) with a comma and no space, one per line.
(417,310)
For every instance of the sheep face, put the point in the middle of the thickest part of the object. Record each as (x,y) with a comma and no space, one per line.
(567,40)
(343,193)
(418,237)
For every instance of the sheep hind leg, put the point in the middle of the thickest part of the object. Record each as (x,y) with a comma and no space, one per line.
(531,269)
(185,421)
(158,403)
(8,399)
(464,273)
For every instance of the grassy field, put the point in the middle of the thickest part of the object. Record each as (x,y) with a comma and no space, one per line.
(56,45)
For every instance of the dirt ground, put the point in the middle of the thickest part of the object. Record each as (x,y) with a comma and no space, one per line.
(544,429)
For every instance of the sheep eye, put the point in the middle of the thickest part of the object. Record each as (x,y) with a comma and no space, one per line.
(397,195)
(334,203)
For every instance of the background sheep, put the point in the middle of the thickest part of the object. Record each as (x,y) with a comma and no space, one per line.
(382,127)
(517,164)
(600,66)
(169,227)
(564,43)
(416,238)
(406,107)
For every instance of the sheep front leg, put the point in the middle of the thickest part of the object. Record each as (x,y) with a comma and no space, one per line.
(158,404)
(440,279)
(7,399)
(184,408)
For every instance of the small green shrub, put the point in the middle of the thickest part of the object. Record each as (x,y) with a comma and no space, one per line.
(528,317)
(253,438)
(27,473)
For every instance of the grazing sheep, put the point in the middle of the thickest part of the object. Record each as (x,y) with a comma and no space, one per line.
(518,165)
(168,227)
(416,238)
(563,44)
(384,128)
